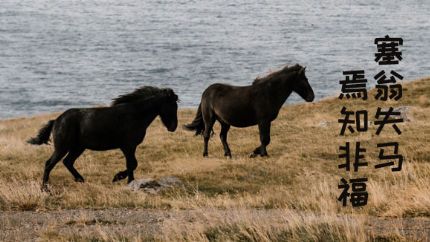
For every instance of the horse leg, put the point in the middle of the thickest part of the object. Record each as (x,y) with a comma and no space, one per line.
(131,165)
(207,134)
(223,136)
(69,161)
(209,120)
(264,129)
(49,165)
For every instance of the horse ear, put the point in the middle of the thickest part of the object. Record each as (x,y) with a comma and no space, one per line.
(171,94)
(302,70)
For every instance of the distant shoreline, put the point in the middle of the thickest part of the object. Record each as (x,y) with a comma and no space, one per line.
(42,114)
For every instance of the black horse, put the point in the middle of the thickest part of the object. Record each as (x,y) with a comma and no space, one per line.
(122,125)
(257,104)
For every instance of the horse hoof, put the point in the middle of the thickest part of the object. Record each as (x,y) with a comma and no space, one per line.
(253,155)
(116,178)
(205,154)
(228,156)
(44,188)
(119,176)
(79,179)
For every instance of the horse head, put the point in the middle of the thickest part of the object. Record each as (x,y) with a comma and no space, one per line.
(302,87)
(169,110)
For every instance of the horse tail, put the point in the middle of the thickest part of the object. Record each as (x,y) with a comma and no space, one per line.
(43,135)
(198,124)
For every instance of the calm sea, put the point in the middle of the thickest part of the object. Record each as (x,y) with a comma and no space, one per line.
(77,53)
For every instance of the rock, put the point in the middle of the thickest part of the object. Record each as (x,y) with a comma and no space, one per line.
(154,186)
(170,181)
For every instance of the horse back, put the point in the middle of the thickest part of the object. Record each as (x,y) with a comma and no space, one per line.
(235,105)
(101,128)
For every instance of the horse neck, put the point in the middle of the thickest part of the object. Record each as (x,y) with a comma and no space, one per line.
(145,112)
(281,90)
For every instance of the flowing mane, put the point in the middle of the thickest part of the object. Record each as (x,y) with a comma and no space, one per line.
(144,93)
(273,75)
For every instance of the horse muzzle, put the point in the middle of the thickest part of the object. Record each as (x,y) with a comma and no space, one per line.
(310,98)
(172,128)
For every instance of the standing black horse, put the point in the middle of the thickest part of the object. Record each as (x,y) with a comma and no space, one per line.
(257,104)
(122,125)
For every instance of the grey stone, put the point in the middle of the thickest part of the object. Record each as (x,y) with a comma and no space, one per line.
(154,186)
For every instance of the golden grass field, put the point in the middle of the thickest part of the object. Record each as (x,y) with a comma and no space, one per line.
(291,195)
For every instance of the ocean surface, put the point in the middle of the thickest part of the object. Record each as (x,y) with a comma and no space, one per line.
(79,53)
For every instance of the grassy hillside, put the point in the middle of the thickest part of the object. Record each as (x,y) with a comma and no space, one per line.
(301,173)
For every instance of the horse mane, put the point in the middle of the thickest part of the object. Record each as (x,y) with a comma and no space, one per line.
(274,74)
(144,94)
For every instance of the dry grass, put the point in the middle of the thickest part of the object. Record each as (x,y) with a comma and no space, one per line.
(300,174)
(240,225)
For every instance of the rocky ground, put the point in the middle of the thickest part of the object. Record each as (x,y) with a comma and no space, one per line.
(152,223)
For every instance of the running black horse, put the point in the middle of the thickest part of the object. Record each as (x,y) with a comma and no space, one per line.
(257,104)
(122,125)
